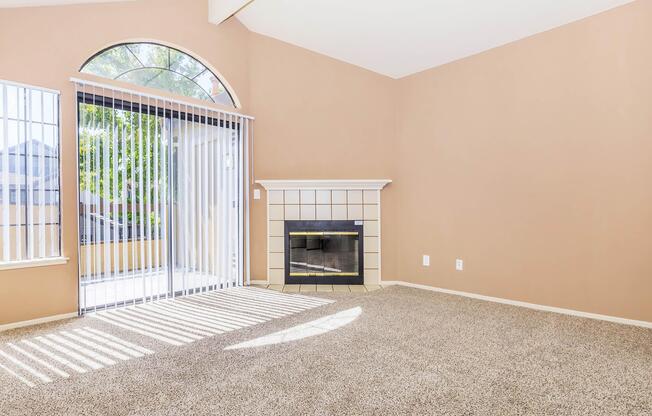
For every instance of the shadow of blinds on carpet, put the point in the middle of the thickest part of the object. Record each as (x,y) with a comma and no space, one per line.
(163,190)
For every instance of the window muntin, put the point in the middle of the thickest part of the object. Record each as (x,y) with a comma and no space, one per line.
(29,173)
(158,66)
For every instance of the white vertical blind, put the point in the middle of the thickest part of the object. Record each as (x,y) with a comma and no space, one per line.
(29,183)
(6,207)
(29,173)
(173,212)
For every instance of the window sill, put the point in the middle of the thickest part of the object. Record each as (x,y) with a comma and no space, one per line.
(24,264)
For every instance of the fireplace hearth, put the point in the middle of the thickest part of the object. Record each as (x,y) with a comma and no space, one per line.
(324,252)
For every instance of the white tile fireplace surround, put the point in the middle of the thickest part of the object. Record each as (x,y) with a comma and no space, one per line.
(357,200)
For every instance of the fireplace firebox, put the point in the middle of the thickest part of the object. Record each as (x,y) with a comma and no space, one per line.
(324,252)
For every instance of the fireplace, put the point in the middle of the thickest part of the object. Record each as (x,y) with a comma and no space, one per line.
(323,200)
(324,252)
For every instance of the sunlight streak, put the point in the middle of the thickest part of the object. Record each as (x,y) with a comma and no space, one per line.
(309,329)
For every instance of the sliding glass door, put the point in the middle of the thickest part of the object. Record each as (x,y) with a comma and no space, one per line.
(160,198)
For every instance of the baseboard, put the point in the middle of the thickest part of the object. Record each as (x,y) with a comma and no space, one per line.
(259,282)
(535,306)
(38,321)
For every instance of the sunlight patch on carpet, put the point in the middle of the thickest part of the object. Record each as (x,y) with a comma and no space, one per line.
(309,329)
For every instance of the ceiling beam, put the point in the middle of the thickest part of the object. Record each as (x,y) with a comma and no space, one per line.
(221,10)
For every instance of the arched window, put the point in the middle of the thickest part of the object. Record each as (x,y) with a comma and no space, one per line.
(159,66)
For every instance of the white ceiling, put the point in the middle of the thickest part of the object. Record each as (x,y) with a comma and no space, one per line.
(401,37)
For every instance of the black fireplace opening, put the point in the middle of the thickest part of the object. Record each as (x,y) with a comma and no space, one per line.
(324,252)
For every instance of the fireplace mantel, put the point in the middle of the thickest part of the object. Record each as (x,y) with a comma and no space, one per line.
(354,184)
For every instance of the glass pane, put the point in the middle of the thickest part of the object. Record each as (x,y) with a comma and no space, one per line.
(223,98)
(150,55)
(14,102)
(15,241)
(15,131)
(35,101)
(141,76)
(323,254)
(211,85)
(112,63)
(185,64)
(49,108)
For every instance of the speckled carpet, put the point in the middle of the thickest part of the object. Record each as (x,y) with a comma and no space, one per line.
(408,352)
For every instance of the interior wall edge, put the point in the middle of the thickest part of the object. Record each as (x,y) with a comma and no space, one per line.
(38,321)
(543,308)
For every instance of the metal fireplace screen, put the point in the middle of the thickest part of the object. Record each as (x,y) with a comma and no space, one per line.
(324,252)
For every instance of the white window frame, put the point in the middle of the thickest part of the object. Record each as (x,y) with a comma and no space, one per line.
(42,256)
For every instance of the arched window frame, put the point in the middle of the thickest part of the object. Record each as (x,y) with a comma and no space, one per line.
(205,69)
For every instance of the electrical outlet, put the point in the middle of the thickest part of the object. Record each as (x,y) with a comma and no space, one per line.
(426,260)
(459,265)
(256,193)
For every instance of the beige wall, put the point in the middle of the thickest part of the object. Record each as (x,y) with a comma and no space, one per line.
(532,163)
(317,118)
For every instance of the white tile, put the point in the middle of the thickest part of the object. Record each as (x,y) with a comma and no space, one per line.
(292,197)
(371,212)
(323,212)
(354,212)
(324,288)
(323,197)
(277,228)
(371,277)
(291,288)
(307,197)
(371,244)
(276,260)
(370,197)
(307,212)
(276,244)
(354,197)
(308,288)
(371,228)
(292,212)
(275,197)
(276,276)
(370,260)
(339,212)
(276,212)
(339,197)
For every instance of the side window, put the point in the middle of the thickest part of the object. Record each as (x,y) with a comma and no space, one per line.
(29,173)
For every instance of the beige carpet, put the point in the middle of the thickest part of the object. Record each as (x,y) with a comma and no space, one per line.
(409,352)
